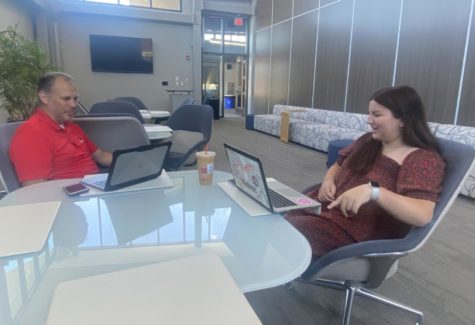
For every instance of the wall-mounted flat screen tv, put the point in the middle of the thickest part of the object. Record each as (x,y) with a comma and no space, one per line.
(121,54)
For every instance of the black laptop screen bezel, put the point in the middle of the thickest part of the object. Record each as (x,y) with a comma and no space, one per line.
(108,187)
(261,169)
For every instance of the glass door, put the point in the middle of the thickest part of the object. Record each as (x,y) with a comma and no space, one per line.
(224,56)
(211,81)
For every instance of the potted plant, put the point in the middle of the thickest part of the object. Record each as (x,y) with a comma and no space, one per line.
(22,63)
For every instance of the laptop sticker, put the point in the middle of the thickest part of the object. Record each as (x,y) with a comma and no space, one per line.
(247,177)
(304,201)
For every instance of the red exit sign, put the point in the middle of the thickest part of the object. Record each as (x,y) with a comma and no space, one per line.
(238,21)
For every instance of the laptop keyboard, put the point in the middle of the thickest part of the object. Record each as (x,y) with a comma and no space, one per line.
(279,201)
(101,184)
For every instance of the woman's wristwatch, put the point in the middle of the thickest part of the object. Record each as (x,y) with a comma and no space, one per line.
(374,190)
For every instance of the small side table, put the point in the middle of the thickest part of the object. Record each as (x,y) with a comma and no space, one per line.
(284,123)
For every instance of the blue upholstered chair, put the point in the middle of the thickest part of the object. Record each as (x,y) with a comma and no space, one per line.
(134,100)
(103,131)
(81,109)
(10,180)
(141,106)
(359,267)
(192,126)
(117,108)
(334,148)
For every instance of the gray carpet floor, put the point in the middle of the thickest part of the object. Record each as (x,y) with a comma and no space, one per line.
(439,279)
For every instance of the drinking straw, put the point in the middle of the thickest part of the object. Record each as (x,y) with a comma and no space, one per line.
(206,149)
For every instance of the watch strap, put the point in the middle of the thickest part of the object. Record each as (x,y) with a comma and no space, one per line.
(374,190)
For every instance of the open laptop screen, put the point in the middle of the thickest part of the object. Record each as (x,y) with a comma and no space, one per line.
(248,175)
(137,165)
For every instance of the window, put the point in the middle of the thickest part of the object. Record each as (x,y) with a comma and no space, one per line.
(153,4)
(212,34)
(235,39)
(225,34)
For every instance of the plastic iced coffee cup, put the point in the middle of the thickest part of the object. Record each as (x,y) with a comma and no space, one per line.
(205,160)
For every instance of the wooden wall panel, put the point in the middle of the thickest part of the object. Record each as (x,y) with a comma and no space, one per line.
(373,50)
(431,51)
(280,64)
(301,6)
(263,14)
(303,59)
(262,72)
(467,101)
(332,55)
(282,10)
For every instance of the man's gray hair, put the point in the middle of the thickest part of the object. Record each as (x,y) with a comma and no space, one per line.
(46,82)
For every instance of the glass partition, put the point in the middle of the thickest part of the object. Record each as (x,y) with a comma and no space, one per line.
(225,34)
(224,65)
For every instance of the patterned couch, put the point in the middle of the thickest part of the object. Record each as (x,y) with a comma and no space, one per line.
(316,128)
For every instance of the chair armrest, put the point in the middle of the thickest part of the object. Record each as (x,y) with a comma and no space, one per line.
(392,254)
(367,249)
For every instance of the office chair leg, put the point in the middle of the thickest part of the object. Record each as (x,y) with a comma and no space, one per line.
(350,295)
(372,295)
(337,285)
(352,289)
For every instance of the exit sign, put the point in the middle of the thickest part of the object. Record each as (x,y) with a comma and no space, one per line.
(238,21)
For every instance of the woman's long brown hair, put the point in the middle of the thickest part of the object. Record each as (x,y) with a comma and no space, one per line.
(405,104)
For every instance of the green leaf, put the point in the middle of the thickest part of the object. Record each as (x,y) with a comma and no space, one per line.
(22,63)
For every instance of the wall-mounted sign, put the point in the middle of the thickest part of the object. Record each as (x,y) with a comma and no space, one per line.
(238,21)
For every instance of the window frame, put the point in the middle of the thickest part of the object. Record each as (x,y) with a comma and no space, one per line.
(118,3)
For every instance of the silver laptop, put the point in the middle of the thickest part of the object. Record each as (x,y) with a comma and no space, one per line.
(131,166)
(249,178)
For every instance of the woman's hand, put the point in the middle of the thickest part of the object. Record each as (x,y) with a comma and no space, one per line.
(350,201)
(327,191)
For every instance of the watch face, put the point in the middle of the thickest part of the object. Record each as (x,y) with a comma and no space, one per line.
(374,184)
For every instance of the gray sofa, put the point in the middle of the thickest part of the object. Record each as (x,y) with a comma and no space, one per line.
(316,128)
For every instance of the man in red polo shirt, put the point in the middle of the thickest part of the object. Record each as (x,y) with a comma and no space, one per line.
(49,145)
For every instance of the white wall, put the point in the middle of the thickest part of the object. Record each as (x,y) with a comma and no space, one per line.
(14,13)
(11,13)
(172,46)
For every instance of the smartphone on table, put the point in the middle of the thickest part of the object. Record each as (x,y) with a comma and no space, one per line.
(75,189)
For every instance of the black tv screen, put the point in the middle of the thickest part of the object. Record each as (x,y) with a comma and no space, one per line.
(121,54)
